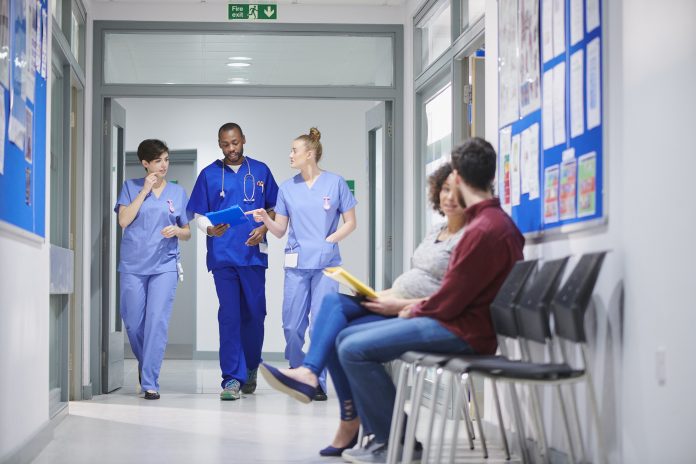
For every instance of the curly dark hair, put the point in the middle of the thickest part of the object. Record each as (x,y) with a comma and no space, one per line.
(435,182)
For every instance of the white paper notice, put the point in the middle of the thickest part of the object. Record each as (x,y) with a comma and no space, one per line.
(576,19)
(533,172)
(594,85)
(508,62)
(2,131)
(547,29)
(529,56)
(558,27)
(559,129)
(592,15)
(515,169)
(547,108)
(577,102)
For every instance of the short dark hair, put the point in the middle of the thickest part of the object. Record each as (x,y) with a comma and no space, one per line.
(151,149)
(228,126)
(435,182)
(475,161)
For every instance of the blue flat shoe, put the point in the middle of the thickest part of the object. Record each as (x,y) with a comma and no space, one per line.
(333,451)
(300,391)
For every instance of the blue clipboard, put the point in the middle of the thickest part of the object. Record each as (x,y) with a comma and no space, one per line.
(233,216)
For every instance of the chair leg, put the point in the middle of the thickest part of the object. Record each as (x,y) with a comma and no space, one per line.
(503,436)
(517,413)
(478,418)
(539,424)
(457,408)
(576,416)
(601,450)
(566,423)
(443,418)
(398,413)
(412,422)
(431,421)
(466,411)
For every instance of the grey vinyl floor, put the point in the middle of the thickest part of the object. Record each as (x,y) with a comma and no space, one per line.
(189,424)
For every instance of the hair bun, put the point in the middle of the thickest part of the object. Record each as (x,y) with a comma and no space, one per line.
(314,134)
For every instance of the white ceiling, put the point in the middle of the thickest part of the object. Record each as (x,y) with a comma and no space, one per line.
(286,2)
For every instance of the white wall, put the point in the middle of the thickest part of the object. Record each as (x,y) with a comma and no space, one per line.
(270,126)
(650,60)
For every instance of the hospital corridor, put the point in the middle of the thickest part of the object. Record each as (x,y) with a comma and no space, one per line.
(365,231)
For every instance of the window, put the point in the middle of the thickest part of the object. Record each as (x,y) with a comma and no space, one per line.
(438,142)
(435,31)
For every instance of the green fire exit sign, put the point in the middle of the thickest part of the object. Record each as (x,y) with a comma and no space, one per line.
(252,11)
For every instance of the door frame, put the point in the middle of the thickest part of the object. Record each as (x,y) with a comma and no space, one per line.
(394,95)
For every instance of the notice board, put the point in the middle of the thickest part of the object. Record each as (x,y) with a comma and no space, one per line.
(23,70)
(550,153)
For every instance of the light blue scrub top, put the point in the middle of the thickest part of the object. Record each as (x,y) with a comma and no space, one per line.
(144,250)
(314,213)
(251,187)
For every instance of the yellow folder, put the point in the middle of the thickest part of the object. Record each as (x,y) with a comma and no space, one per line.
(344,277)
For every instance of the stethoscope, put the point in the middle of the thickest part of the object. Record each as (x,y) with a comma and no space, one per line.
(247,199)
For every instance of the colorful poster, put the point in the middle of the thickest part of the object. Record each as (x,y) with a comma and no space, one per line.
(508,64)
(515,170)
(587,184)
(504,179)
(529,57)
(551,194)
(568,185)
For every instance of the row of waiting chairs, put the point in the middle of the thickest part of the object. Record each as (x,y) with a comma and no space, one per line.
(521,311)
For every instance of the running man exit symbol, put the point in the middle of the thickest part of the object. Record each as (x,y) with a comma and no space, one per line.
(253,12)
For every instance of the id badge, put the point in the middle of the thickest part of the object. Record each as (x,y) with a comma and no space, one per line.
(263,248)
(291,260)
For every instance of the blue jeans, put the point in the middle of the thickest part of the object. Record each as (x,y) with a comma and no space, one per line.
(362,350)
(336,313)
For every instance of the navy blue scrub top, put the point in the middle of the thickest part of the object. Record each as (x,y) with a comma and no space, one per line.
(144,250)
(261,192)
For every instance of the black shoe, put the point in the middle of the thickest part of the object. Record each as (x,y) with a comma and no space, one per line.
(320,394)
(250,386)
(152,395)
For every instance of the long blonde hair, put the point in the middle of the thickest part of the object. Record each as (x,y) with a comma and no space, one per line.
(312,142)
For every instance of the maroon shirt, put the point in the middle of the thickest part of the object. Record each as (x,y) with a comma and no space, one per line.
(479,264)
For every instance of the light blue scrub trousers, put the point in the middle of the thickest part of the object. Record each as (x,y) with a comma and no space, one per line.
(304,291)
(146,305)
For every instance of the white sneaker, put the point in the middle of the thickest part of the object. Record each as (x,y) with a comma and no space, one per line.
(350,455)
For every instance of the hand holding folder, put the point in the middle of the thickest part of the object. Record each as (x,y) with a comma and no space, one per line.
(344,277)
(233,216)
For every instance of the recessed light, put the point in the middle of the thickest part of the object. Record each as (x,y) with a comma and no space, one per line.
(238,65)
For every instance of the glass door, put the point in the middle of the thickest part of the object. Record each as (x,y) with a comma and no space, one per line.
(379,139)
(112,330)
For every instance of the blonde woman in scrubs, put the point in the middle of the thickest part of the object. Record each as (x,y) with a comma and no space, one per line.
(311,205)
(153,215)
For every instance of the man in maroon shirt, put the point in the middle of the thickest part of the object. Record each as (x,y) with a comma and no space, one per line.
(456,319)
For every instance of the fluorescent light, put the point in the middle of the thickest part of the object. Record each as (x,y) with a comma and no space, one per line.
(240,58)
(237,80)
(238,65)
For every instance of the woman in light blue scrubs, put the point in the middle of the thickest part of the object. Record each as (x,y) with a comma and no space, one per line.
(153,215)
(312,202)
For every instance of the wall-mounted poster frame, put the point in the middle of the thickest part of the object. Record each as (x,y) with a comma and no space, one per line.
(23,24)
(551,158)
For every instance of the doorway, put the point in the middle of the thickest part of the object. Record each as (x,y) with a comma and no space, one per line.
(182,324)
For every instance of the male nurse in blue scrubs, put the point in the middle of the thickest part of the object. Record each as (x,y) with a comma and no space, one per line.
(237,256)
